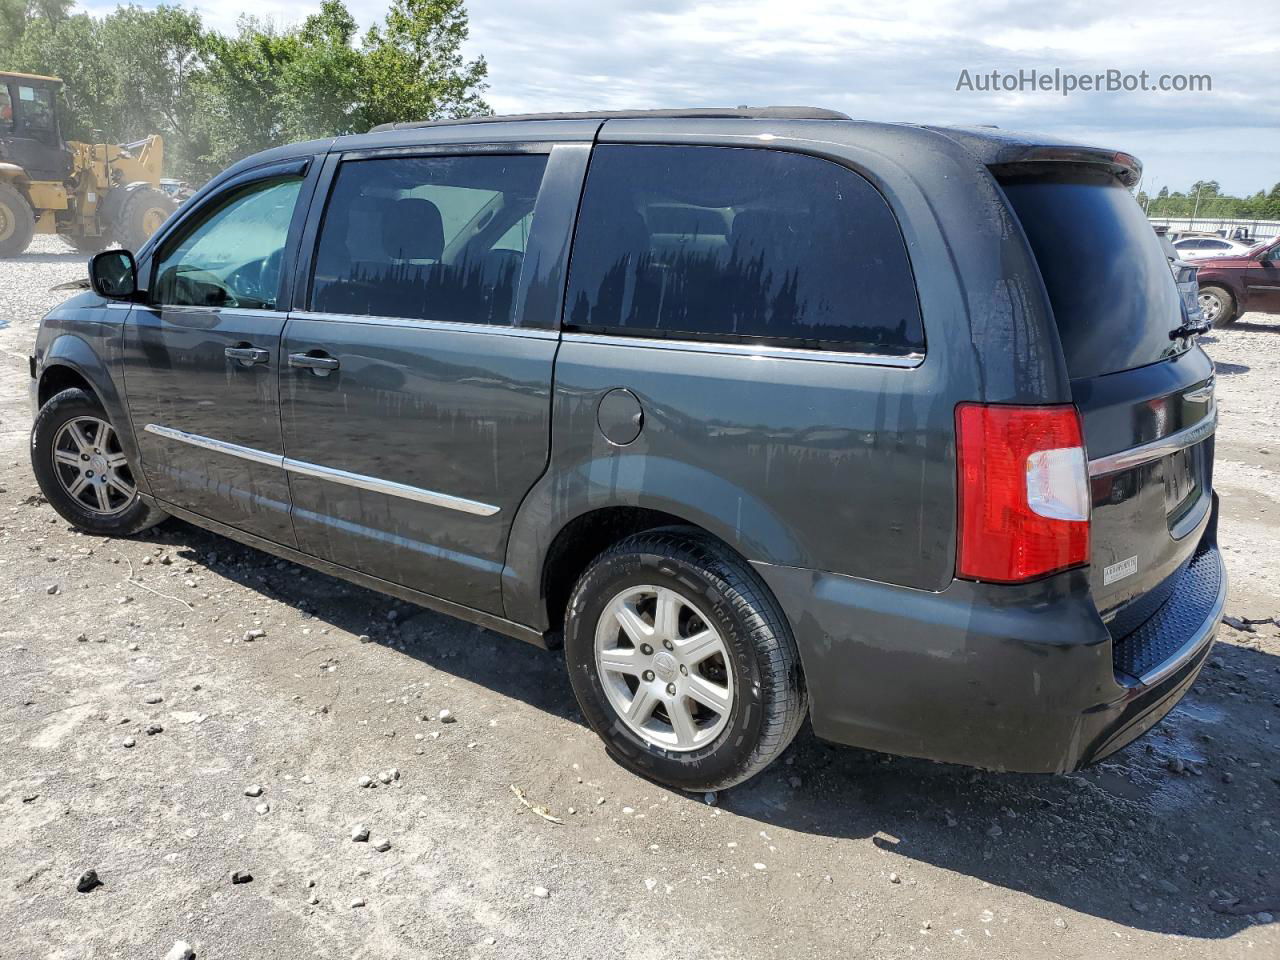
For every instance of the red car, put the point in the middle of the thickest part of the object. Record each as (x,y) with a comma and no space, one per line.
(1230,286)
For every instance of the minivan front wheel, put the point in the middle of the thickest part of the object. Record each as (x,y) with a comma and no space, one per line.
(1217,305)
(682,661)
(82,469)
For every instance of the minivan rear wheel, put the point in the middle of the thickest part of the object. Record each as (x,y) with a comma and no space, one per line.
(1218,305)
(682,661)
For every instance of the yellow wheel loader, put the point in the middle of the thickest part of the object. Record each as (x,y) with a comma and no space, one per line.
(90,194)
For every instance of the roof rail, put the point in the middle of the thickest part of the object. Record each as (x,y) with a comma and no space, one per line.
(688,113)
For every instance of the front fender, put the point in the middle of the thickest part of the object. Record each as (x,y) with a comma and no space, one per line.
(97,363)
(692,494)
(1217,278)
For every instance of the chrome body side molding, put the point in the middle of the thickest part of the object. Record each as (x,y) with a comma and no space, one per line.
(357,480)
(390,488)
(218,446)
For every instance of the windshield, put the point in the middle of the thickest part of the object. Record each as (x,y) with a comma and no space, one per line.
(1107,277)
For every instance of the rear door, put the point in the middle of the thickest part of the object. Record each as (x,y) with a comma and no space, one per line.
(417,387)
(202,357)
(1145,394)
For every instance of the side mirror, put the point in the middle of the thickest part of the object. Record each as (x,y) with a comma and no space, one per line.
(114,274)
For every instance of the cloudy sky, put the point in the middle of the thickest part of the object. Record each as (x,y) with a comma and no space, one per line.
(897,61)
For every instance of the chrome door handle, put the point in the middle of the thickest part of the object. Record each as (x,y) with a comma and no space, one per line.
(247,355)
(321,365)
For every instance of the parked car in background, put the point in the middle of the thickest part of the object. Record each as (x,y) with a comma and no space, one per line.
(1240,283)
(751,409)
(1195,248)
(1185,277)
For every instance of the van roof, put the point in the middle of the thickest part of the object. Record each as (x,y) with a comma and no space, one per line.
(992,146)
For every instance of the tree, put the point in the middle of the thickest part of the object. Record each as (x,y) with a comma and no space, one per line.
(240,93)
(215,98)
(264,87)
(13,21)
(413,66)
(321,89)
(157,54)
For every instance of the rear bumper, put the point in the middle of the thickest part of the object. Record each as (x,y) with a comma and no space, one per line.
(1020,678)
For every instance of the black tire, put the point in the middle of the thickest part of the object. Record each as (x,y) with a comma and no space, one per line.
(89,245)
(17,221)
(141,215)
(1227,313)
(770,701)
(61,408)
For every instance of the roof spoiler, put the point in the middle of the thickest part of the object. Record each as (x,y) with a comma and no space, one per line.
(1009,152)
(1123,166)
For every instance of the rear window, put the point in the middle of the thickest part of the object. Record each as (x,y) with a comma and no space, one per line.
(740,245)
(1108,280)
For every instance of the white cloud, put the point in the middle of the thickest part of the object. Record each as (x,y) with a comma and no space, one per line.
(882,62)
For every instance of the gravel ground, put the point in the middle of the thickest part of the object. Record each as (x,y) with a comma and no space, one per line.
(258,747)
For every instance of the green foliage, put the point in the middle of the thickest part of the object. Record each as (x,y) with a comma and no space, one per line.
(413,65)
(1213,203)
(217,98)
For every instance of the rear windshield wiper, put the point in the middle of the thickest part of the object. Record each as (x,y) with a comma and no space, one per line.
(1190,329)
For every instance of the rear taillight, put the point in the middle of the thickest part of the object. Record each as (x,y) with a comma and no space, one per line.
(1024,492)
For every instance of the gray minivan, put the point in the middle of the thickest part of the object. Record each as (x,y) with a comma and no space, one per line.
(764,414)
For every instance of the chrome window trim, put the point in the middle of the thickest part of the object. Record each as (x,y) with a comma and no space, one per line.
(1156,449)
(444,326)
(759,351)
(185,308)
(357,480)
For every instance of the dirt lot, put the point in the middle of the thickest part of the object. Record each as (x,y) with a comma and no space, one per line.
(1171,848)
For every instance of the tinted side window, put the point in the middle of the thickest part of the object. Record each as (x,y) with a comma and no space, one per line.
(740,244)
(426,238)
(6,109)
(232,257)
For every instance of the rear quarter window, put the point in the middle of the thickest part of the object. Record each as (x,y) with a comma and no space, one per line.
(1113,296)
(740,244)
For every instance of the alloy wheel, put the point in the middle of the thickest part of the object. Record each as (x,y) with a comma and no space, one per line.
(1210,306)
(665,668)
(92,468)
